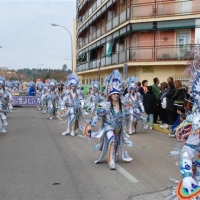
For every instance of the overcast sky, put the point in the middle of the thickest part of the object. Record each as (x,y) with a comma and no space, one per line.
(27,37)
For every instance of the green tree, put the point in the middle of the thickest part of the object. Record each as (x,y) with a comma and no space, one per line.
(64,68)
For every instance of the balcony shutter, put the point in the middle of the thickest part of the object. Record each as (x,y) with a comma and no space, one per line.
(109,48)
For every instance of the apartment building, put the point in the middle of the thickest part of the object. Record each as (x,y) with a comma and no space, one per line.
(152,38)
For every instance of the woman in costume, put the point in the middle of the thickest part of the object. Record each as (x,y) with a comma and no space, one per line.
(52,100)
(39,91)
(112,114)
(44,102)
(135,104)
(8,87)
(94,97)
(72,106)
(4,99)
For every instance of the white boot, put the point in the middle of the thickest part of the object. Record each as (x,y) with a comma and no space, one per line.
(65,133)
(111,162)
(5,122)
(126,157)
(3,130)
(131,128)
(72,134)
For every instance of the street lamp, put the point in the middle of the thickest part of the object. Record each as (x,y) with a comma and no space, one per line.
(71,41)
(36,72)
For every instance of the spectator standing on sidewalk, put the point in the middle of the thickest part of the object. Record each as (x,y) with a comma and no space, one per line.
(179,96)
(140,88)
(170,103)
(156,92)
(149,100)
(163,111)
(170,79)
(145,85)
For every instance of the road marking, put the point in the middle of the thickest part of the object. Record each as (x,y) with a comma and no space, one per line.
(126,174)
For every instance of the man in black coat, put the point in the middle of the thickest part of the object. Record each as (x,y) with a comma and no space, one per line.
(149,101)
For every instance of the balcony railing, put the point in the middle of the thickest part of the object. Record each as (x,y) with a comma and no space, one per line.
(141,54)
(160,9)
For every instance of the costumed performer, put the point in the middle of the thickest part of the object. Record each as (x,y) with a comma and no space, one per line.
(94,97)
(112,114)
(72,105)
(135,104)
(52,100)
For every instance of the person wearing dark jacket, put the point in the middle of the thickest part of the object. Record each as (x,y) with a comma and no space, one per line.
(179,97)
(156,92)
(163,111)
(149,101)
(31,91)
(170,103)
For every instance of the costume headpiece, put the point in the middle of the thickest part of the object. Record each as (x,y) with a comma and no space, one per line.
(95,84)
(46,86)
(113,82)
(73,80)
(31,83)
(9,84)
(52,82)
(131,83)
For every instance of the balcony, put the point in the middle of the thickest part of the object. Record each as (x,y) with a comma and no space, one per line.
(162,9)
(106,27)
(142,54)
(91,10)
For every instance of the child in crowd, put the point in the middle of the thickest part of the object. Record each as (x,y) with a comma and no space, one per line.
(180,118)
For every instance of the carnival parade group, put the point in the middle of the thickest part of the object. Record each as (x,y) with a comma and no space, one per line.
(118,115)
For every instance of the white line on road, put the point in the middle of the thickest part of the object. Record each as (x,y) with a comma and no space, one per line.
(126,174)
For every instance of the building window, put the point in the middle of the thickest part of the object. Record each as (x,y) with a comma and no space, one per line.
(183,43)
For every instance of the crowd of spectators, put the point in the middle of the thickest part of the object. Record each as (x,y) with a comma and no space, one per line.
(176,103)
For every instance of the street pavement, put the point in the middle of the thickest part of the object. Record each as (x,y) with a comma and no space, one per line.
(37,163)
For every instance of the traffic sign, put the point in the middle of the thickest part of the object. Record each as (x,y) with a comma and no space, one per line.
(125,70)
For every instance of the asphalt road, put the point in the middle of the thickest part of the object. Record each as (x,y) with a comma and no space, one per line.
(37,163)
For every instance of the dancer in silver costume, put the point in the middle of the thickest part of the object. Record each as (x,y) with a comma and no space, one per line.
(52,100)
(112,115)
(44,102)
(94,97)
(72,105)
(8,87)
(39,93)
(135,104)
(4,99)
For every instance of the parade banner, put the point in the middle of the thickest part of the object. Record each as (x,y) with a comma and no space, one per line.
(24,101)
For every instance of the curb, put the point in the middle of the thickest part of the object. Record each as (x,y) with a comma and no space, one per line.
(156,127)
